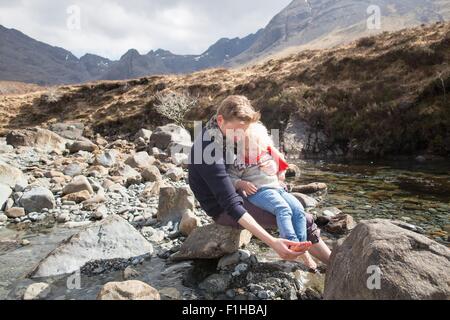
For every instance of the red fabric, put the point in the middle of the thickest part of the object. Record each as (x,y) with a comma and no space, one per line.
(282,164)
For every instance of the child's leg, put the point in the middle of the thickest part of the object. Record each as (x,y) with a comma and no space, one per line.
(298,214)
(271,201)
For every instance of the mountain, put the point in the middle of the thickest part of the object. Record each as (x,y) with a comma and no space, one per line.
(302,24)
(326,23)
(27,60)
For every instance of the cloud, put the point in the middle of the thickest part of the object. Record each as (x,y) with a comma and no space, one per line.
(110,28)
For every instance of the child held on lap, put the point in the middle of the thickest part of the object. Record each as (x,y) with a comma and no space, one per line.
(259,172)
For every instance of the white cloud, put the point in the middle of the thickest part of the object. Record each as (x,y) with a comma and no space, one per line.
(110,28)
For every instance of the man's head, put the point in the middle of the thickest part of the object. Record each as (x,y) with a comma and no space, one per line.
(235,114)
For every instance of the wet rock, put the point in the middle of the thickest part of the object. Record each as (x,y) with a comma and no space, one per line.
(111,238)
(307,201)
(151,174)
(15,212)
(340,224)
(78,183)
(216,283)
(106,159)
(412,266)
(83,145)
(140,160)
(189,222)
(128,290)
(5,193)
(175,174)
(39,138)
(36,199)
(169,293)
(130,273)
(11,176)
(173,202)
(310,188)
(37,291)
(171,133)
(212,241)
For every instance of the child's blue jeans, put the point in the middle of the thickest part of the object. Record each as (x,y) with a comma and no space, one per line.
(288,210)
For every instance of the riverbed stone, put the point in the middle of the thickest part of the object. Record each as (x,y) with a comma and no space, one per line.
(78,183)
(77,197)
(106,159)
(128,290)
(189,222)
(83,145)
(15,212)
(173,202)
(5,193)
(212,241)
(170,133)
(111,238)
(35,199)
(411,266)
(340,224)
(39,138)
(175,174)
(310,188)
(140,160)
(11,176)
(37,291)
(307,201)
(151,174)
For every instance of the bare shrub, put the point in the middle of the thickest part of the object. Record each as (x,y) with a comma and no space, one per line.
(174,105)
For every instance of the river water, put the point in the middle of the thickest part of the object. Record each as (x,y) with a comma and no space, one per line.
(417,193)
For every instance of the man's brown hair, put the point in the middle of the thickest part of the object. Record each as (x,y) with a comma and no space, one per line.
(238,108)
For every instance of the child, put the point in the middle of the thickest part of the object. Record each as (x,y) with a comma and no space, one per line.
(259,172)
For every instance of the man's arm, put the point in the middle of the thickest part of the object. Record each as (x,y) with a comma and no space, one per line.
(280,246)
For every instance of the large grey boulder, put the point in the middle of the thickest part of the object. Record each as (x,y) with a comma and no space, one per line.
(112,238)
(212,241)
(174,202)
(408,265)
(173,134)
(35,199)
(39,138)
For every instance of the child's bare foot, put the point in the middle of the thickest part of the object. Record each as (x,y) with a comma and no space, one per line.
(309,262)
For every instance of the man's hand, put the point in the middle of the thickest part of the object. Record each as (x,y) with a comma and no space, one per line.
(247,187)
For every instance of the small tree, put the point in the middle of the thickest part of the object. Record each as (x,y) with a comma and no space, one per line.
(175,106)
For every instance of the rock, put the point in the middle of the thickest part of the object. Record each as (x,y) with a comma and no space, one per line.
(144,134)
(328,212)
(111,238)
(73,169)
(151,189)
(169,293)
(293,171)
(42,139)
(15,212)
(100,213)
(77,197)
(11,176)
(175,174)
(153,235)
(3,218)
(421,159)
(63,218)
(212,241)
(165,135)
(100,141)
(130,273)
(93,202)
(151,174)
(180,159)
(173,202)
(229,260)
(307,201)
(71,131)
(140,160)
(128,290)
(5,193)
(189,222)
(310,188)
(412,266)
(83,145)
(340,224)
(216,283)
(78,183)
(300,138)
(106,159)
(129,175)
(37,291)
(36,199)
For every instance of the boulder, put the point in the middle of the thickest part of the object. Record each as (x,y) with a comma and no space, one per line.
(408,265)
(175,174)
(83,145)
(128,290)
(15,212)
(151,174)
(212,241)
(340,224)
(77,196)
(140,160)
(5,193)
(73,169)
(68,130)
(189,222)
(39,138)
(111,238)
(78,183)
(35,199)
(152,189)
(144,134)
(37,291)
(127,173)
(307,201)
(173,202)
(106,159)
(152,234)
(310,188)
(171,133)
(11,176)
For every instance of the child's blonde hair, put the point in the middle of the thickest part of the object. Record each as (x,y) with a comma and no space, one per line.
(257,135)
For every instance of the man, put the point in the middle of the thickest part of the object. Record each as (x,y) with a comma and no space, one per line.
(214,190)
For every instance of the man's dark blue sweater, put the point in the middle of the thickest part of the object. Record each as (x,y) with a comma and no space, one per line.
(210,182)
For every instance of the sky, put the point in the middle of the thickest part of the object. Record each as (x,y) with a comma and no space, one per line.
(110,27)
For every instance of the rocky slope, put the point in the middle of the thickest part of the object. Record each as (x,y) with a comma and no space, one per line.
(379,96)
